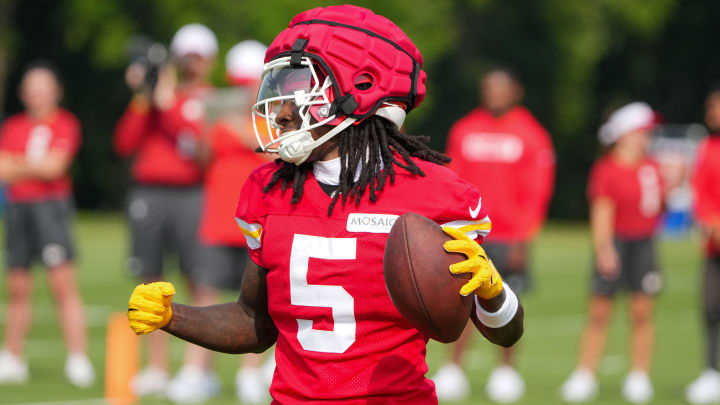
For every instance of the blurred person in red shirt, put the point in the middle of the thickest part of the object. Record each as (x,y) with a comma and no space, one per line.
(229,155)
(161,131)
(706,189)
(37,148)
(505,152)
(626,193)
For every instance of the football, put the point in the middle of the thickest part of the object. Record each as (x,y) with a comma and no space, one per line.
(419,281)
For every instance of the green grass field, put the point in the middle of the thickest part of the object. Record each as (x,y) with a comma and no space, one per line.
(554,316)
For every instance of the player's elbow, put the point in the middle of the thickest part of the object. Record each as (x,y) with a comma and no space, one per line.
(263,346)
(243,348)
(266,339)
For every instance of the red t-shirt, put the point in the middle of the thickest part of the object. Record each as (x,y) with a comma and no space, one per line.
(511,160)
(164,143)
(232,162)
(341,340)
(706,184)
(21,134)
(636,192)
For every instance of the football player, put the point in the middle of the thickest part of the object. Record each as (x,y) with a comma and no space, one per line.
(338,83)
(37,148)
(706,388)
(506,153)
(626,193)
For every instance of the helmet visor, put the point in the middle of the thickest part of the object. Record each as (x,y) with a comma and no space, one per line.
(306,87)
(282,84)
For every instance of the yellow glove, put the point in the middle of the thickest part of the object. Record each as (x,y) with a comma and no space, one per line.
(149,307)
(485,282)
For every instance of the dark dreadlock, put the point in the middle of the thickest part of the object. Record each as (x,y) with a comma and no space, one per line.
(382,139)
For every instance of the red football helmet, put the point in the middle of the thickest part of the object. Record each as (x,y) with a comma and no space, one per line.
(339,65)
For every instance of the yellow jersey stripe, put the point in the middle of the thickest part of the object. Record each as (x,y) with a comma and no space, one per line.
(252,234)
(479,227)
(473,229)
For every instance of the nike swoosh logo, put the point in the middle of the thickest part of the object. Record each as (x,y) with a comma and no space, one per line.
(474,212)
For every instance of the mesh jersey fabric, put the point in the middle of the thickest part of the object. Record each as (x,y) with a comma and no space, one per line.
(340,337)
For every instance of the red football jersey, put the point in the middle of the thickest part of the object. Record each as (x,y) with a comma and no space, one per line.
(340,337)
(511,160)
(232,162)
(706,184)
(21,134)
(636,192)
(164,142)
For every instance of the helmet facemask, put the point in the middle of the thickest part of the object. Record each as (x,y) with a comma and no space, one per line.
(311,91)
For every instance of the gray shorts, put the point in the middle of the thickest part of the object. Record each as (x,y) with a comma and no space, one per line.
(639,271)
(518,278)
(711,290)
(221,267)
(163,219)
(39,230)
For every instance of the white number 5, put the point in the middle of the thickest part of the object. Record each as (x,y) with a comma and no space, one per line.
(312,295)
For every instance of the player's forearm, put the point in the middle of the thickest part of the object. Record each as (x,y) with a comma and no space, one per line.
(53,166)
(506,335)
(602,220)
(224,328)
(45,171)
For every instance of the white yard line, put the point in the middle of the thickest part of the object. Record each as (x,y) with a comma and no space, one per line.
(96,401)
(97,315)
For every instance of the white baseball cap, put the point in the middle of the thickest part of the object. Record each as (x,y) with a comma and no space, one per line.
(245,62)
(632,117)
(194,39)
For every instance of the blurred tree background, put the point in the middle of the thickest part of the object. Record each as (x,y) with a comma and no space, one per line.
(577,59)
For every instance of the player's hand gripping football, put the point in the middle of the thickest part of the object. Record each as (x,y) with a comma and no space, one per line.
(149,307)
(485,282)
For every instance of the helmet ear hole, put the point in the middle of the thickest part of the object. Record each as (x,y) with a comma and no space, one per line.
(364,81)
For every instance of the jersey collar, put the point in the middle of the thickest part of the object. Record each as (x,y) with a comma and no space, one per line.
(328,171)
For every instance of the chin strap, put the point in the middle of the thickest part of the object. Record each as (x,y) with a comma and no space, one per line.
(339,128)
(297,148)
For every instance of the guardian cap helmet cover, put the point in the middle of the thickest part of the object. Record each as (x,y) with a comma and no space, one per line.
(339,65)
